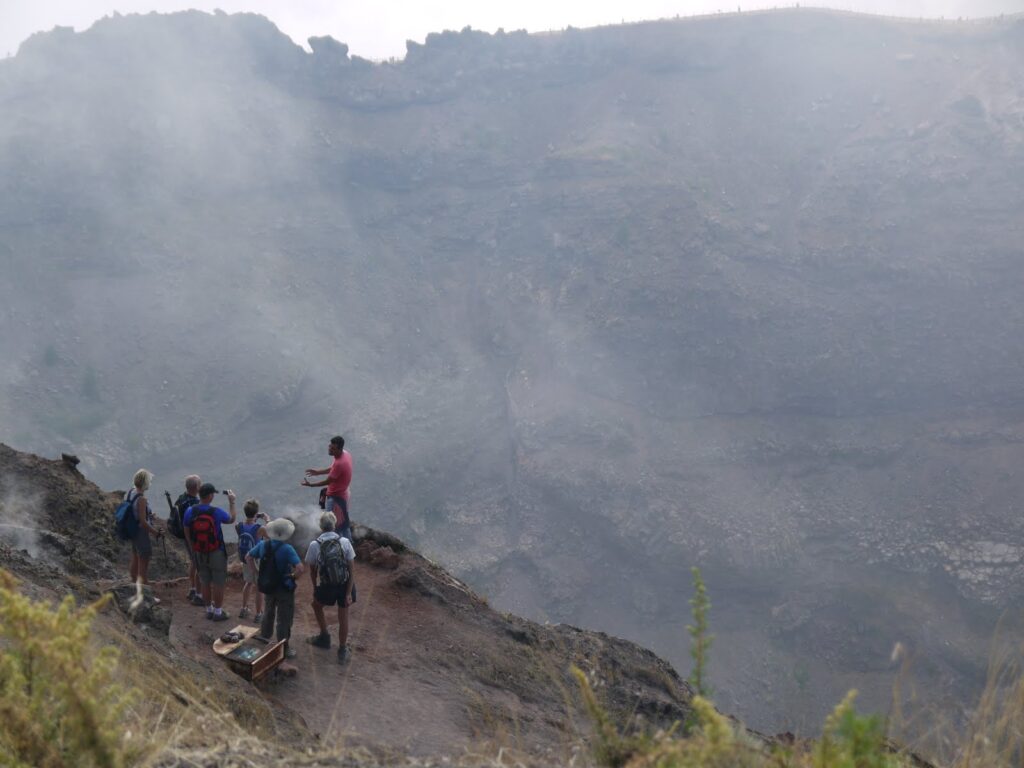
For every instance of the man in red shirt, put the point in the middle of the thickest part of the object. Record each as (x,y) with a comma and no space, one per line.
(339,475)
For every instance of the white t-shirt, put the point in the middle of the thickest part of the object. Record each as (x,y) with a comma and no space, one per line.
(314,547)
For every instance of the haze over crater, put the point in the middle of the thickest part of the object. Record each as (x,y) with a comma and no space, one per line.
(590,308)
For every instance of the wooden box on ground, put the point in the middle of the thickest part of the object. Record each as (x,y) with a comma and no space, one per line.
(252,657)
(255,658)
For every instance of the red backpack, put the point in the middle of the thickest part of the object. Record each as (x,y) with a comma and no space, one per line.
(204,531)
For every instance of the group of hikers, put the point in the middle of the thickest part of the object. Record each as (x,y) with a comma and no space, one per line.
(270,562)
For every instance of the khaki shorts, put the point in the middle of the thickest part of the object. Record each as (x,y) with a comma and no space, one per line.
(248,572)
(212,567)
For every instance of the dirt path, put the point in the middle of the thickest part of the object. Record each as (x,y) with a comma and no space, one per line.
(392,694)
(435,671)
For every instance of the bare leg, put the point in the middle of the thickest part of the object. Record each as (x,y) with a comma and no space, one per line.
(205,589)
(143,569)
(133,567)
(217,591)
(318,611)
(342,623)
(259,601)
(246,589)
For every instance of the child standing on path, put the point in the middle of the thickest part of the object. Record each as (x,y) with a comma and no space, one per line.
(249,533)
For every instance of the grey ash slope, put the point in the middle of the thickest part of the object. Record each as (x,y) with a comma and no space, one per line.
(590,307)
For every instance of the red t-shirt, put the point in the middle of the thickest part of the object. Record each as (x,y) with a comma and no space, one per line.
(340,476)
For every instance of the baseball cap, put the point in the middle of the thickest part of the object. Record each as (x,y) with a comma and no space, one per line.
(207,489)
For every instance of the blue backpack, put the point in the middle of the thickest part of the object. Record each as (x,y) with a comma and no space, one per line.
(126,524)
(246,538)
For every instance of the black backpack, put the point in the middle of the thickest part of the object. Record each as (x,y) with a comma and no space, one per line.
(269,579)
(331,567)
(176,518)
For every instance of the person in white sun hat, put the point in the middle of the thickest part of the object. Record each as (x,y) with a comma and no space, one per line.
(279,566)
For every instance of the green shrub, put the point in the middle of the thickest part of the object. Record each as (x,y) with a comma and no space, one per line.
(851,740)
(700,639)
(610,748)
(59,705)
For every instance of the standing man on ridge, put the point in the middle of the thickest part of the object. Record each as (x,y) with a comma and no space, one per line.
(205,537)
(184,502)
(329,558)
(339,476)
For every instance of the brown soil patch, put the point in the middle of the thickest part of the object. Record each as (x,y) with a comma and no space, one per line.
(435,671)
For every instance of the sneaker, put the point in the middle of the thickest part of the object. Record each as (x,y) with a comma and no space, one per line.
(197,600)
(244,613)
(290,653)
(344,654)
(209,614)
(258,617)
(222,616)
(322,640)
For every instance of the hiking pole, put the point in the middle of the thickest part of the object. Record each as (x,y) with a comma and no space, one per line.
(170,518)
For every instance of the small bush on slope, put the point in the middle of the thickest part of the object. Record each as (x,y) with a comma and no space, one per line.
(59,705)
(700,638)
(850,740)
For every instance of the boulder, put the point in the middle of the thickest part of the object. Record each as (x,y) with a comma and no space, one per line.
(140,607)
(384,557)
(365,549)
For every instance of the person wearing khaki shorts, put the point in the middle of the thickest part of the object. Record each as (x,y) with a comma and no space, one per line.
(213,568)
(203,533)
(249,533)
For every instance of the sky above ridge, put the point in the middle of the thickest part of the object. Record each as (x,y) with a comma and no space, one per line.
(378,30)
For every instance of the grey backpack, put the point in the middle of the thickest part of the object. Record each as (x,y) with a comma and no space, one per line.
(330,563)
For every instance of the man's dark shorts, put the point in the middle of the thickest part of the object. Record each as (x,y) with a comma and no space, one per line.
(331,594)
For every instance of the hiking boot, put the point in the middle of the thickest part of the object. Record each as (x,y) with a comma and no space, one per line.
(344,654)
(244,613)
(222,616)
(323,640)
(197,599)
(258,617)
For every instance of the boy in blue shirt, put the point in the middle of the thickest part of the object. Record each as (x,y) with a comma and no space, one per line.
(276,579)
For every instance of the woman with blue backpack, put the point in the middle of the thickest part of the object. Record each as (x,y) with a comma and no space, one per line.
(135,522)
(249,533)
